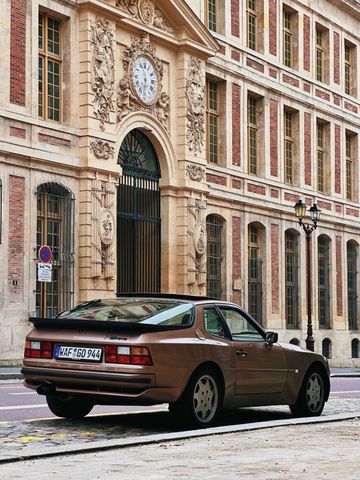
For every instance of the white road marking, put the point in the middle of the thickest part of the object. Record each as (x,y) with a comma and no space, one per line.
(345,391)
(19,407)
(23,393)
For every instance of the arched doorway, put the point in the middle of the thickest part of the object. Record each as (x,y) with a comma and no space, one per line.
(138,216)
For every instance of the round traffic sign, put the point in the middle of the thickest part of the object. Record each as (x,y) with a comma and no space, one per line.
(45,254)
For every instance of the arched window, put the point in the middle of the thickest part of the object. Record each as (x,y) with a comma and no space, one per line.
(327,348)
(255,267)
(55,228)
(214,283)
(351,252)
(324,281)
(291,279)
(295,341)
(355,348)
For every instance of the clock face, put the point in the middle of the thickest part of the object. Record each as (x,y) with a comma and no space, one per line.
(145,79)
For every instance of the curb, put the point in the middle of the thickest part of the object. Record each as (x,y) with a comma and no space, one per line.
(104,445)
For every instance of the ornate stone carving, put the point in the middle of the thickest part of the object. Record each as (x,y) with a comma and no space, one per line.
(197,232)
(145,11)
(102,149)
(102,69)
(103,197)
(196,172)
(195,112)
(126,99)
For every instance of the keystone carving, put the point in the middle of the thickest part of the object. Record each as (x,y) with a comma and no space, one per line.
(102,149)
(146,12)
(195,111)
(195,172)
(102,70)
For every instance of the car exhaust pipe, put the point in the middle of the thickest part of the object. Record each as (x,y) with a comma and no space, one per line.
(46,389)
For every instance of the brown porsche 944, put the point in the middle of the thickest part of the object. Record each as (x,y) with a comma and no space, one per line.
(197,354)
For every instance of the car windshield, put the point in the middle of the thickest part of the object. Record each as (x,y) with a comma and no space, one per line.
(133,310)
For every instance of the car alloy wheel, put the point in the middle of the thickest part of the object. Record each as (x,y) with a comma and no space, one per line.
(205,398)
(315,392)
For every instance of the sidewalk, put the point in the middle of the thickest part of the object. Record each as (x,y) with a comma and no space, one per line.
(13,373)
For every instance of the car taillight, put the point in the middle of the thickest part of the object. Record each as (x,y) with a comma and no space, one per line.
(38,349)
(129,355)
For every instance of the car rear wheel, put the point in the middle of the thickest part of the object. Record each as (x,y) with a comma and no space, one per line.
(311,398)
(68,407)
(200,402)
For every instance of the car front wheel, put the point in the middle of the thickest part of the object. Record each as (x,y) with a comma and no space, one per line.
(68,407)
(311,398)
(200,402)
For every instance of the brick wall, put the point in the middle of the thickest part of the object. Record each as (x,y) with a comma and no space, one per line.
(17,52)
(274,138)
(275,268)
(235,26)
(306,43)
(16,238)
(307,148)
(339,272)
(272,27)
(235,124)
(337,159)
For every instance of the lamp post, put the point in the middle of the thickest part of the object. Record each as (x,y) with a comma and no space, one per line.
(300,211)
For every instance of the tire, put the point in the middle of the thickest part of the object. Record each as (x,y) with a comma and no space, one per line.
(311,398)
(68,407)
(201,400)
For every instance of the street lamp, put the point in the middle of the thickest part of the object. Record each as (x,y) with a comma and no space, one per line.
(300,211)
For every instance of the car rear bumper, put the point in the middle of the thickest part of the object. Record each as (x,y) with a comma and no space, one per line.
(105,388)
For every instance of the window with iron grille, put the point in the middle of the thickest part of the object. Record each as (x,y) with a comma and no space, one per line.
(349,166)
(323,282)
(50,67)
(252,135)
(254,274)
(327,348)
(319,55)
(251,24)
(287,39)
(320,153)
(55,228)
(212,121)
(352,286)
(214,228)
(211,15)
(288,147)
(291,279)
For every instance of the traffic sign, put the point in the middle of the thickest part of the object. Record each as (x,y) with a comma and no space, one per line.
(44,272)
(45,254)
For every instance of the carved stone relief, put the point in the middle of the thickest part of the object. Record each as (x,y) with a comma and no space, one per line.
(196,172)
(102,70)
(146,12)
(102,149)
(198,243)
(195,111)
(127,100)
(103,228)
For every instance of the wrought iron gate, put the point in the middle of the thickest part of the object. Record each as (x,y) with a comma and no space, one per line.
(138,215)
(255,289)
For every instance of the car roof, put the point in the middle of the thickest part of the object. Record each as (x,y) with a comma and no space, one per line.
(169,296)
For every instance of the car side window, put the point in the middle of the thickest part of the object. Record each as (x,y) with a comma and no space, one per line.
(213,323)
(241,328)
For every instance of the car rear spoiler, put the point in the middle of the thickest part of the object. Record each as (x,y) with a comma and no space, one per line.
(81,324)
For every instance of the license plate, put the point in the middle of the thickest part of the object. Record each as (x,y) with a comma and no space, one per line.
(78,353)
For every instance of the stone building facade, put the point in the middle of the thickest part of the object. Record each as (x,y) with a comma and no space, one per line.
(160,145)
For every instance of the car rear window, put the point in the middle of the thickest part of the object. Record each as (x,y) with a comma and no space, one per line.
(139,310)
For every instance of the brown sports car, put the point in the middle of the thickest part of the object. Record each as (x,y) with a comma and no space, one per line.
(195,353)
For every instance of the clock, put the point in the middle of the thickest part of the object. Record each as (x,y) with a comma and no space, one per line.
(145,79)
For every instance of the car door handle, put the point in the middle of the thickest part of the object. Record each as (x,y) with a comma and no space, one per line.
(241,352)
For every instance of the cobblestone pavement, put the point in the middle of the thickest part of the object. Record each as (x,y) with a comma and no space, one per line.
(18,438)
(303,452)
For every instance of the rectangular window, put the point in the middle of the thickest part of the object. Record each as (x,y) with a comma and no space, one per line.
(319,55)
(252,136)
(251,24)
(347,69)
(211,15)
(289,147)
(320,152)
(291,280)
(349,167)
(212,122)
(287,39)
(49,70)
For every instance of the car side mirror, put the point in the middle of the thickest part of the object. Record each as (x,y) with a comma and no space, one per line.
(271,337)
